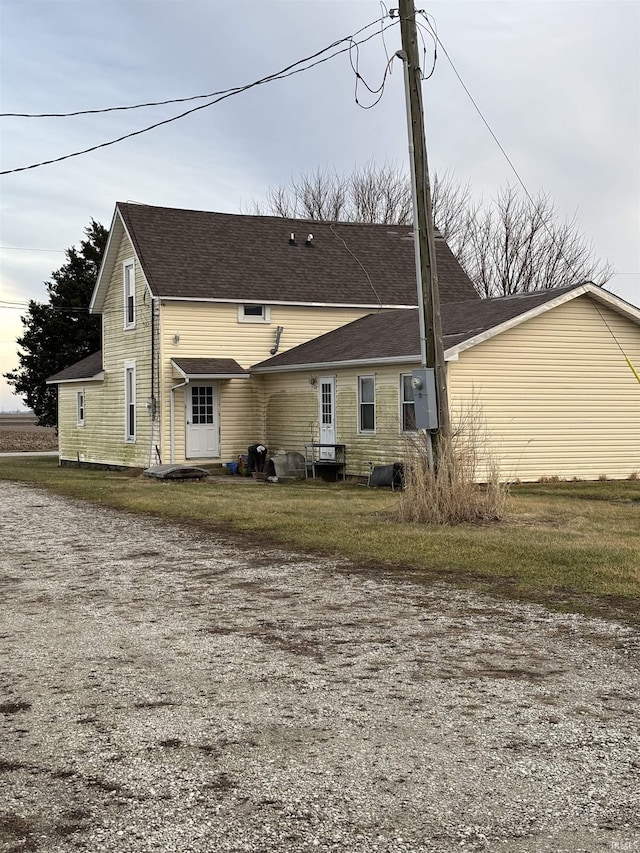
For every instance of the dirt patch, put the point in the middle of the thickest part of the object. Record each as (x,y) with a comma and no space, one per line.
(169,689)
(20,434)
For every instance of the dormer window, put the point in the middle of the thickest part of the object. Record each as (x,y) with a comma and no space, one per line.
(253,313)
(129,276)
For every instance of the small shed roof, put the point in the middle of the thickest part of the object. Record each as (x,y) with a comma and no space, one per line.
(209,368)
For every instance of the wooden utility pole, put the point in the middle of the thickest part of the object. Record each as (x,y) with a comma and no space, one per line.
(432,348)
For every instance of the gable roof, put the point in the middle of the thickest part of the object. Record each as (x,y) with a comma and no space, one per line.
(394,336)
(89,368)
(197,255)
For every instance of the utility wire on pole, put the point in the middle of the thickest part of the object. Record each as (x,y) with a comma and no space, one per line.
(431,346)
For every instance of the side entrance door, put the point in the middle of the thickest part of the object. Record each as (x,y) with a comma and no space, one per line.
(203,422)
(327,416)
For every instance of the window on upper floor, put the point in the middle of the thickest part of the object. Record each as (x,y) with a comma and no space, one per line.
(129,277)
(407,404)
(80,408)
(253,313)
(366,404)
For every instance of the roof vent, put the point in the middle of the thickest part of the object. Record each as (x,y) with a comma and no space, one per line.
(309,240)
(292,239)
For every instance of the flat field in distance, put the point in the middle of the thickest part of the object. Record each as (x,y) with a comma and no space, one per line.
(19,433)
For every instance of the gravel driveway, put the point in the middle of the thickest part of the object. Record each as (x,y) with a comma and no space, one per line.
(164,689)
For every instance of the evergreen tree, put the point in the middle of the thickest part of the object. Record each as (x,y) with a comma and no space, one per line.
(62,331)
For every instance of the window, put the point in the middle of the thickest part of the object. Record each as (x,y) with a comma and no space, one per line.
(202,404)
(254,313)
(80,408)
(366,404)
(407,405)
(128,272)
(130,401)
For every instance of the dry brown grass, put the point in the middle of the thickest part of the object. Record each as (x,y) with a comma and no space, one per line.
(463,486)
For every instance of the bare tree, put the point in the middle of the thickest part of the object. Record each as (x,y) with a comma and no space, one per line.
(514,245)
(507,245)
(453,207)
(367,194)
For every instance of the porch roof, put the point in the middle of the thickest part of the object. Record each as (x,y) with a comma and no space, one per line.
(209,368)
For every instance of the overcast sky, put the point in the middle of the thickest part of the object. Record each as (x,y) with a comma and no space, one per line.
(558,82)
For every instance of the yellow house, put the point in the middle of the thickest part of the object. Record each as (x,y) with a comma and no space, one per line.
(552,376)
(191,299)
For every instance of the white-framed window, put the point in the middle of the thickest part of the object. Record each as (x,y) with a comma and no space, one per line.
(130,401)
(129,284)
(407,404)
(80,408)
(254,313)
(366,404)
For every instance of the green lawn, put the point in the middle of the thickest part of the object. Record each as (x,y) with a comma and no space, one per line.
(571,545)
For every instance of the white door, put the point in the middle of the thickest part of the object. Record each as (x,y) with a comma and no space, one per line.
(327,415)
(203,422)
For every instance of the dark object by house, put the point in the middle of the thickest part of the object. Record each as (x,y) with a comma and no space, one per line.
(391,476)
(257,458)
(176,472)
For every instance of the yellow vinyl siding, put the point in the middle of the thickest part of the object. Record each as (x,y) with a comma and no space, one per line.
(212,330)
(292,411)
(556,394)
(102,439)
(386,444)
(77,442)
(553,396)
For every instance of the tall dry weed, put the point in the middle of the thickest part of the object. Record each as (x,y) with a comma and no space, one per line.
(463,486)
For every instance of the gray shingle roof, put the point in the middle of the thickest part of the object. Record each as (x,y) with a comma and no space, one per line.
(87,368)
(209,367)
(200,255)
(395,333)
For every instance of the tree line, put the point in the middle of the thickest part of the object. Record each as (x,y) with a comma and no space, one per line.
(509,244)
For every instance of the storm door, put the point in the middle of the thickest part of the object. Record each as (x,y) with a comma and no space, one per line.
(203,422)
(327,416)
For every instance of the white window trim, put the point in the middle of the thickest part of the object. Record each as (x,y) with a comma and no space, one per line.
(243,318)
(362,431)
(130,400)
(401,404)
(126,265)
(80,407)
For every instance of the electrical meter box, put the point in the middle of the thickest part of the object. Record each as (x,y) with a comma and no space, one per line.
(423,382)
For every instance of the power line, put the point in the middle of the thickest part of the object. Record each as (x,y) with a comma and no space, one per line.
(434,34)
(6,303)
(289,71)
(118,109)
(29,249)
(190,97)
